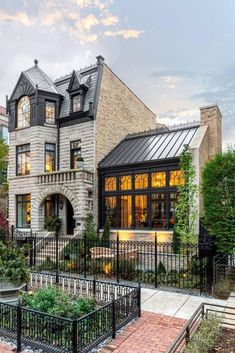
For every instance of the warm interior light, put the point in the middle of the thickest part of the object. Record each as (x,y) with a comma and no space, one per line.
(107,268)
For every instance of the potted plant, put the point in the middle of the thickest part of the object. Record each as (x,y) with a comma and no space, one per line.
(14,273)
(80,162)
(53,223)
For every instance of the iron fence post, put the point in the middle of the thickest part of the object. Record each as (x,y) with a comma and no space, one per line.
(113,320)
(57,257)
(75,337)
(139,300)
(155,261)
(12,233)
(34,251)
(85,251)
(117,264)
(94,286)
(187,335)
(19,329)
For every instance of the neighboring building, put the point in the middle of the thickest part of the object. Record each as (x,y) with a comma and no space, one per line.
(139,178)
(3,136)
(52,127)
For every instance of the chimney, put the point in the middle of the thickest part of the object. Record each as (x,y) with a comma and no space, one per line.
(211,116)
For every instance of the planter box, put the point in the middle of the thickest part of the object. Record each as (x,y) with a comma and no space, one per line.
(9,292)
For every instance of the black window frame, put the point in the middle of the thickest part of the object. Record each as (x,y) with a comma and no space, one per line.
(167,190)
(17,158)
(72,149)
(17,210)
(45,112)
(45,153)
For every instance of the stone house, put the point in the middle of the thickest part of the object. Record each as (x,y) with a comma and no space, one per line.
(59,131)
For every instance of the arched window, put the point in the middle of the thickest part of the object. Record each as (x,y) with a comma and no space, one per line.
(23,112)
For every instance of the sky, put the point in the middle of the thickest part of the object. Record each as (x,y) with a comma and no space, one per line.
(176,55)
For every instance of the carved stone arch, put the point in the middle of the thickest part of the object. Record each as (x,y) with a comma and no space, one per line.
(51,190)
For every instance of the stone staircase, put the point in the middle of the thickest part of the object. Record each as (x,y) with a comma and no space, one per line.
(47,249)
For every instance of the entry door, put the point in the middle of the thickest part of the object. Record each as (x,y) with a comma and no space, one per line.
(70,220)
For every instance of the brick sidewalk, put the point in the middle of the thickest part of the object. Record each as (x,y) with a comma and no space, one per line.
(152,333)
(6,348)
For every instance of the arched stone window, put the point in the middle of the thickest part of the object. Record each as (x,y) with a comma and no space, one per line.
(23,112)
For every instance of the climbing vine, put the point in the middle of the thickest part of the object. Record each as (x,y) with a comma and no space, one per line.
(186,209)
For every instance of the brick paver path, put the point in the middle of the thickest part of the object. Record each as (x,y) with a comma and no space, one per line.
(152,333)
(6,348)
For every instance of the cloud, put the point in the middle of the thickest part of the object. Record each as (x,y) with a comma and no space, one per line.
(125,33)
(85,20)
(166,72)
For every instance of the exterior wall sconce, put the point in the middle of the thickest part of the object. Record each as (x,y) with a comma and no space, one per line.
(61,204)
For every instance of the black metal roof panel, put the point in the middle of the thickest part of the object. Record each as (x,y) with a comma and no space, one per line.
(149,147)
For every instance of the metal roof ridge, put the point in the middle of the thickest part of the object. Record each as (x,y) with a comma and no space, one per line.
(80,71)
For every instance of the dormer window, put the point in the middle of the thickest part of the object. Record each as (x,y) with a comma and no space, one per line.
(23,112)
(50,113)
(77,103)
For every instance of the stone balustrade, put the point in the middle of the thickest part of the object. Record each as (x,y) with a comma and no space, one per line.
(65,176)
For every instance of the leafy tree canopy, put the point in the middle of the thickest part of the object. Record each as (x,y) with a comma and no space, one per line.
(3,165)
(219,199)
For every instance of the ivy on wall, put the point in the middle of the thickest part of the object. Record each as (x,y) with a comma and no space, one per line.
(218,191)
(186,209)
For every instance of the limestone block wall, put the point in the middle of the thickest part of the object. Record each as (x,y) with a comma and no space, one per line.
(83,132)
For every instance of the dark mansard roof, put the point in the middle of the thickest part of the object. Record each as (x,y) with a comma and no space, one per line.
(156,145)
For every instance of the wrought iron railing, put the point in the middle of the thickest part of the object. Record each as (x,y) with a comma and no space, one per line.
(225,315)
(119,305)
(149,262)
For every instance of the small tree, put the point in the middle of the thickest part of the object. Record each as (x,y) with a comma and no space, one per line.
(176,241)
(106,234)
(218,191)
(186,209)
(3,167)
(90,228)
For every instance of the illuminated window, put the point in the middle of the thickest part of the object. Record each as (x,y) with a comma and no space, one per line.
(141,181)
(23,159)
(141,211)
(50,112)
(126,211)
(176,178)
(77,103)
(50,157)
(158,180)
(158,210)
(23,112)
(111,210)
(126,182)
(76,154)
(110,184)
(173,203)
(23,208)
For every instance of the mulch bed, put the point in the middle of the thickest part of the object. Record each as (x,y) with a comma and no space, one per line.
(226,343)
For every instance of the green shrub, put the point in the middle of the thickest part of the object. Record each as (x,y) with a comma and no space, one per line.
(54,301)
(173,277)
(224,287)
(205,337)
(149,276)
(53,223)
(48,264)
(161,268)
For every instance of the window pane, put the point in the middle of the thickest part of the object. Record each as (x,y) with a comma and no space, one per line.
(75,153)
(110,184)
(50,112)
(126,211)
(158,207)
(49,157)
(158,180)
(173,202)
(176,178)
(49,206)
(23,211)
(141,211)
(23,112)
(111,211)
(126,182)
(141,181)
(77,103)
(23,159)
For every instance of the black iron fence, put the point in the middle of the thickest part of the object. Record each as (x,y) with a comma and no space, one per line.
(186,266)
(223,274)
(119,305)
(225,315)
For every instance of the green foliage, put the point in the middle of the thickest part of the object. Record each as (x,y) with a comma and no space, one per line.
(54,301)
(106,234)
(48,264)
(176,241)
(53,223)
(219,199)
(3,167)
(224,287)
(186,209)
(161,269)
(13,264)
(90,228)
(205,337)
